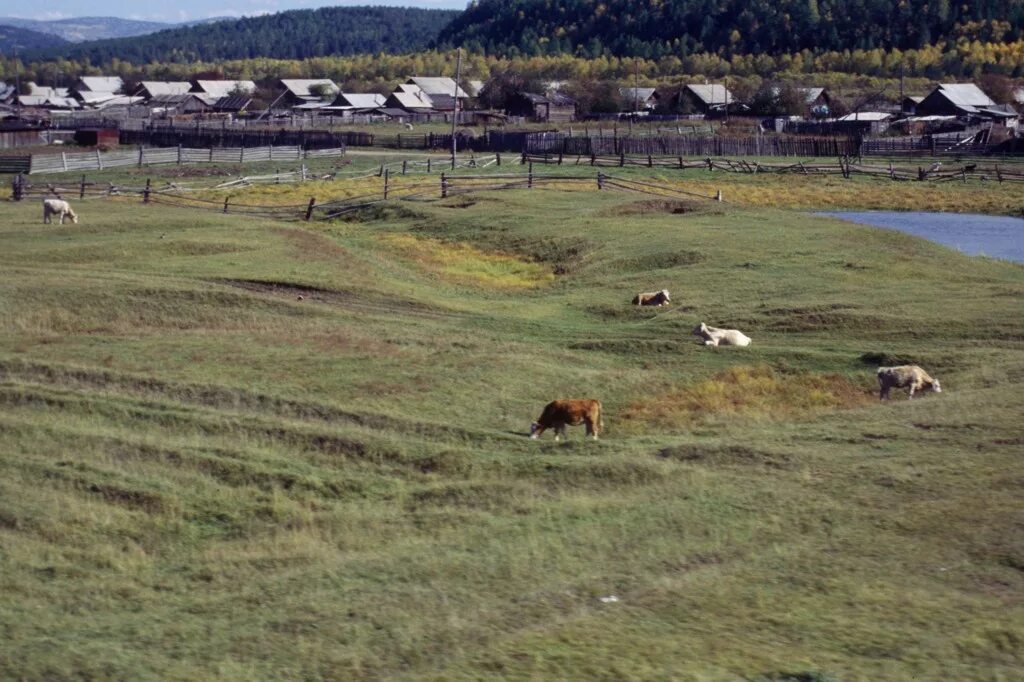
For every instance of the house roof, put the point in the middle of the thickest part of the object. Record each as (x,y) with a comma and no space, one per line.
(555,98)
(1018,95)
(712,94)
(965,95)
(915,99)
(641,94)
(223,88)
(118,101)
(178,100)
(370,100)
(438,85)
(474,87)
(810,94)
(232,103)
(408,100)
(866,116)
(45,91)
(157,88)
(300,87)
(93,98)
(101,83)
(6,91)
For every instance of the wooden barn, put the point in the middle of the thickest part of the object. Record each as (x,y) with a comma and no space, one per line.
(550,108)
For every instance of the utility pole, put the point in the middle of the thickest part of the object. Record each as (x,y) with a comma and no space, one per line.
(902,98)
(17,75)
(455,114)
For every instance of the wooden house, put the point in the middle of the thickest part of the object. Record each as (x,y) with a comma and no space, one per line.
(639,99)
(553,107)
(966,100)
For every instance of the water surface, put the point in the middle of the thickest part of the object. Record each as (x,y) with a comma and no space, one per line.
(975,235)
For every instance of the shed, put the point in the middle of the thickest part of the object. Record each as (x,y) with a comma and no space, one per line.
(299,91)
(97,137)
(636,99)
(709,98)
(544,108)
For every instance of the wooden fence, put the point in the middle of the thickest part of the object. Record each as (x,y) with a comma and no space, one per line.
(845,167)
(677,145)
(145,156)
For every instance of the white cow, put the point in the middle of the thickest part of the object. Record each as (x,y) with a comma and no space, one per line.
(658,298)
(905,376)
(714,336)
(57,207)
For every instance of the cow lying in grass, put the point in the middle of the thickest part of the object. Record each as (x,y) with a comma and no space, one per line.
(713,336)
(905,376)
(559,413)
(652,298)
(57,207)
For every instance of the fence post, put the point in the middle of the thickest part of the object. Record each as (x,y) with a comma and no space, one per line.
(387,174)
(497,156)
(81,189)
(428,164)
(529,177)
(140,156)
(680,163)
(444,185)
(559,158)
(404,166)
(99,160)
(17,188)
(622,159)
(226,200)
(309,208)
(920,173)
(650,161)
(64,160)
(145,192)
(718,196)
(179,154)
(211,154)
(999,174)
(711,166)
(600,180)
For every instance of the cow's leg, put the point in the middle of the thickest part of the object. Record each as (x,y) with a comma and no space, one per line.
(62,217)
(46,216)
(912,388)
(883,394)
(560,431)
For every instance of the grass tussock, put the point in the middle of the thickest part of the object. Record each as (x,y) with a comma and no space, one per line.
(465,264)
(747,391)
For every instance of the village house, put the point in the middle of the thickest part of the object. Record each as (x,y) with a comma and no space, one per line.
(44,97)
(707,99)
(817,100)
(549,108)
(440,91)
(356,103)
(966,100)
(308,93)
(212,90)
(150,89)
(185,103)
(410,98)
(639,99)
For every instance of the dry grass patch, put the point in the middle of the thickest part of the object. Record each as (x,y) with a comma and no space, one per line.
(465,264)
(756,392)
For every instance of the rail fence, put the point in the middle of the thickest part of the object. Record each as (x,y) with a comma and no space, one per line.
(844,166)
(419,189)
(144,156)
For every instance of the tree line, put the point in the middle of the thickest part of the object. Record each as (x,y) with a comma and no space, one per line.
(661,28)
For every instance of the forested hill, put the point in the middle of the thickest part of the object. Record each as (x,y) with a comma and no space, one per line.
(657,28)
(297,34)
(22,39)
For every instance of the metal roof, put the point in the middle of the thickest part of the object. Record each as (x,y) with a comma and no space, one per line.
(866,116)
(232,103)
(810,94)
(642,94)
(438,85)
(300,87)
(408,100)
(965,95)
(223,88)
(157,88)
(101,83)
(712,94)
(370,100)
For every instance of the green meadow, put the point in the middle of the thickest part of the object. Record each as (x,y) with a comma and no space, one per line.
(234,448)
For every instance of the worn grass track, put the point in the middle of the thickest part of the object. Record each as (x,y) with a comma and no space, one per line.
(203,475)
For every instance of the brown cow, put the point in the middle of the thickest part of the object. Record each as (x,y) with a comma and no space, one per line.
(559,413)
(905,376)
(658,298)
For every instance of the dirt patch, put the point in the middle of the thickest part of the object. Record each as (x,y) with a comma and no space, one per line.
(466,264)
(659,206)
(745,391)
(731,454)
(380,213)
(458,202)
(662,261)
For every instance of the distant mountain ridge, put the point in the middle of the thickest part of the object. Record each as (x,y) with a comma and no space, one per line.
(79,29)
(295,34)
(22,39)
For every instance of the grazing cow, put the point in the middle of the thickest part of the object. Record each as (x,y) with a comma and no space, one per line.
(559,413)
(652,298)
(714,336)
(905,376)
(57,207)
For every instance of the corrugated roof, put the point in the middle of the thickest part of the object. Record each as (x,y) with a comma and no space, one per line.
(300,87)
(642,94)
(232,103)
(712,94)
(369,100)
(438,85)
(965,95)
(101,83)
(810,94)
(866,116)
(157,88)
(223,88)
(407,100)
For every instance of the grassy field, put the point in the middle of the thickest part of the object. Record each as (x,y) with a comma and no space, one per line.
(245,449)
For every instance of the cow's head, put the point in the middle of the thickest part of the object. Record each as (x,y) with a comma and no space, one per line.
(935,386)
(700,329)
(533,430)
(74,216)
(664,292)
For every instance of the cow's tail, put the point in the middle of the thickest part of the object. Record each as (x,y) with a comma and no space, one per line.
(600,414)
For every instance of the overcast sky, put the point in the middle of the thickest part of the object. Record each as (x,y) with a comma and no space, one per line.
(186,10)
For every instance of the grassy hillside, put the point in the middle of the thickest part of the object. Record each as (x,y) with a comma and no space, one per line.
(252,450)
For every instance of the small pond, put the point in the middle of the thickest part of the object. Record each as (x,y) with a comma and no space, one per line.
(975,235)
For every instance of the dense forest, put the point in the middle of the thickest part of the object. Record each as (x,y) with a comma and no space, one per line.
(23,39)
(659,28)
(297,34)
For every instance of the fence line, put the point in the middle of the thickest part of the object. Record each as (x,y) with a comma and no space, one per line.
(146,156)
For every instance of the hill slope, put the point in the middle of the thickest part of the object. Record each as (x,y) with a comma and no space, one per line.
(296,34)
(25,39)
(79,29)
(649,28)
